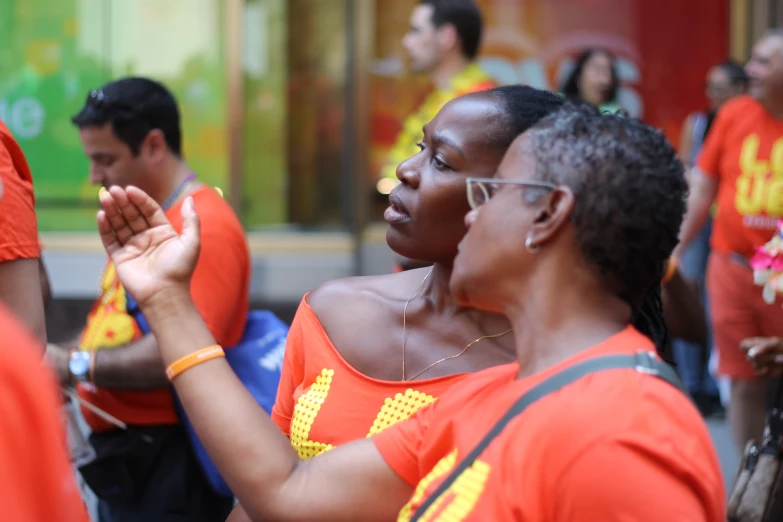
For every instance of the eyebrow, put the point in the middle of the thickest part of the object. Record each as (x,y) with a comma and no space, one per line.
(440,138)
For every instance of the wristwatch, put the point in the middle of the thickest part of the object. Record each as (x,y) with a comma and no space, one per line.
(79,365)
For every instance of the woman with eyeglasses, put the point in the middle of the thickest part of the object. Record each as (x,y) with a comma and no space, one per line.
(566,244)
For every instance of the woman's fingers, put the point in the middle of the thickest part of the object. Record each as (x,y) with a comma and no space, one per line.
(108,238)
(119,226)
(136,221)
(147,206)
(191,226)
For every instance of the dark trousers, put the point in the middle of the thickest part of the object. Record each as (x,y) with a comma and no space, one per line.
(171,488)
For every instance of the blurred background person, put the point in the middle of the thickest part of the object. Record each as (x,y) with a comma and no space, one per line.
(37,484)
(442,42)
(724,81)
(130,130)
(738,168)
(594,80)
(21,276)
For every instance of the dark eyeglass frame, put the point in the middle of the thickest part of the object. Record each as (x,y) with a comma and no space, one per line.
(482,183)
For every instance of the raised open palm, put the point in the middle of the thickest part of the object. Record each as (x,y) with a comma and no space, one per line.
(148,253)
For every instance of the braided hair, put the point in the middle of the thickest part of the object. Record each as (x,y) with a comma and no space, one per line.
(648,319)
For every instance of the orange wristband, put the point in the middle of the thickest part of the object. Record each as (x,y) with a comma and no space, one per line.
(671,268)
(192,359)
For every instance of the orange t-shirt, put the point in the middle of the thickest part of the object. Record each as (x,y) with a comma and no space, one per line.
(744,153)
(220,289)
(323,402)
(36,482)
(18,224)
(616,445)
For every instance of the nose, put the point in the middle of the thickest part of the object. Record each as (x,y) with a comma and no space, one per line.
(408,174)
(750,69)
(471,217)
(406,41)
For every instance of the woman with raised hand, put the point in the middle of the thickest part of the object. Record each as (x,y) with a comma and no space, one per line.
(566,242)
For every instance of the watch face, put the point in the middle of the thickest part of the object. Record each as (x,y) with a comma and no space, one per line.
(80,363)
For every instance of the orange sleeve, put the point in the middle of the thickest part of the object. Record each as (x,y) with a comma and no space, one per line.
(712,150)
(400,445)
(220,281)
(292,373)
(620,480)
(18,224)
(37,483)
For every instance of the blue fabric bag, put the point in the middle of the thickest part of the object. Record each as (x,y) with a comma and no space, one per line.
(257,360)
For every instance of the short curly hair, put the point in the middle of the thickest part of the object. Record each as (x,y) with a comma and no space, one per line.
(629,188)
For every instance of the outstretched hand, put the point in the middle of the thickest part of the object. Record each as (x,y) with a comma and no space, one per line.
(150,257)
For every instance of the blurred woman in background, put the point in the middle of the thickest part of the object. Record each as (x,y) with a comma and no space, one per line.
(594,80)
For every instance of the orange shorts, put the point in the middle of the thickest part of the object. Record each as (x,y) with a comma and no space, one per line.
(737,312)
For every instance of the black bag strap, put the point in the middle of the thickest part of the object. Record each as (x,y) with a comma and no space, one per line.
(643,362)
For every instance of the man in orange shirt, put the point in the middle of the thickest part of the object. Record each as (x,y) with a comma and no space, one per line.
(130,130)
(36,483)
(20,283)
(741,167)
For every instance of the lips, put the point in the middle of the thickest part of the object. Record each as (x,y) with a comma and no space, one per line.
(396,212)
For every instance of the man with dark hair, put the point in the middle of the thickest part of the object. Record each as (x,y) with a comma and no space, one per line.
(130,131)
(740,167)
(442,42)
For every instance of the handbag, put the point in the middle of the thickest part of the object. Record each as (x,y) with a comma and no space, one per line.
(757,493)
(257,361)
(643,362)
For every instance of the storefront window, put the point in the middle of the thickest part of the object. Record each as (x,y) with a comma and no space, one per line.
(316,110)
(52,52)
(55,51)
(265,68)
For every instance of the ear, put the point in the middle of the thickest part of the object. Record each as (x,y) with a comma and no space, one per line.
(447,37)
(552,215)
(154,146)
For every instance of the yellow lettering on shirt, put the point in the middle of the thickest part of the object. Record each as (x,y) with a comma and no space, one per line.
(394,410)
(760,184)
(398,409)
(305,412)
(458,501)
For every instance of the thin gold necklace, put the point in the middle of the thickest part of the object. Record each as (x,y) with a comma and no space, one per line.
(405,334)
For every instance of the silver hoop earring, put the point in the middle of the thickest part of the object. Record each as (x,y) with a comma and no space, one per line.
(529,246)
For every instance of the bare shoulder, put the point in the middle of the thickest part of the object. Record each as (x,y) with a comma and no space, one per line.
(357,301)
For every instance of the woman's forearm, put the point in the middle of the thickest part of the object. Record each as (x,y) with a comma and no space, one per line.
(250,451)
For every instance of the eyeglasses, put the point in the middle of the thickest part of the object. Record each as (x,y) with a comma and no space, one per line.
(480,190)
